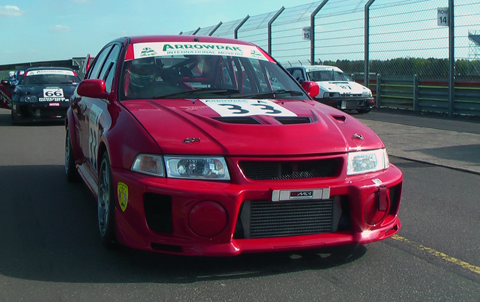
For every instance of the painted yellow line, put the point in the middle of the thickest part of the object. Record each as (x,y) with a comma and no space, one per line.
(466,265)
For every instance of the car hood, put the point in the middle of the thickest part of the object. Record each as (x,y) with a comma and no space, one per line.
(194,127)
(343,87)
(38,90)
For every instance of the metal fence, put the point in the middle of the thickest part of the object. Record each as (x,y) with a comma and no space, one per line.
(371,39)
(404,37)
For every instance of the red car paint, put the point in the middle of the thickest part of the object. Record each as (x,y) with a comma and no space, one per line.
(224,217)
(5,95)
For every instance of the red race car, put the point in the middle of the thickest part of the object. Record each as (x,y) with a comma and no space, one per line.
(206,146)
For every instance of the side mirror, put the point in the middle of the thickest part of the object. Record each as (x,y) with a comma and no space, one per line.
(311,88)
(92,88)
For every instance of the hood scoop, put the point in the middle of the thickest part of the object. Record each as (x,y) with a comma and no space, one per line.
(249,120)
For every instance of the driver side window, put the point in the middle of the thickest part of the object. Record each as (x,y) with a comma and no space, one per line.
(298,75)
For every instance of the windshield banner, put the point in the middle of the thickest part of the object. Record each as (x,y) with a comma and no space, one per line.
(142,50)
(40,72)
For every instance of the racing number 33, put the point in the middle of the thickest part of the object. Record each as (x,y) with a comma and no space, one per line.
(239,110)
(247,107)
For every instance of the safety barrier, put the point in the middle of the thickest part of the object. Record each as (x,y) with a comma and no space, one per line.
(425,95)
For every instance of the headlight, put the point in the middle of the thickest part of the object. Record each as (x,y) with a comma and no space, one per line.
(193,167)
(367,161)
(149,164)
(367,93)
(28,98)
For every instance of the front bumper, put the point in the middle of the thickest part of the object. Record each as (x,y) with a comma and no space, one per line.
(349,103)
(204,218)
(39,111)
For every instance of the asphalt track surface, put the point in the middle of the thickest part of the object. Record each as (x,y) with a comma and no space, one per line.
(50,251)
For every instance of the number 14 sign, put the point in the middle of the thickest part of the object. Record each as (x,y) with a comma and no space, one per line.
(442,16)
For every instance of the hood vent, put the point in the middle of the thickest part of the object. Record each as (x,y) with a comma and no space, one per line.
(237,120)
(285,120)
(290,120)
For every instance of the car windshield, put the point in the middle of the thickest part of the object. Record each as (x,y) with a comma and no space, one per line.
(45,78)
(206,76)
(327,75)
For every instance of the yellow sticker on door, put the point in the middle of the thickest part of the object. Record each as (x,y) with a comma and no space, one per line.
(122,192)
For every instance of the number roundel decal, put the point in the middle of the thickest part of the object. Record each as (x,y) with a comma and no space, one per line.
(247,107)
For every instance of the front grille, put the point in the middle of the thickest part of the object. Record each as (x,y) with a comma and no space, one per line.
(266,219)
(282,170)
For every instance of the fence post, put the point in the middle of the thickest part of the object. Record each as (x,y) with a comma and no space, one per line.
(312,31)
(235,32)
(415,93)
(367,41)
(451,58)
(379,91)
(215,29)
(270,29)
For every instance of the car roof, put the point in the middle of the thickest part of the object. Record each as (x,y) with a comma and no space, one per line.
(184,38)
(316,67)
(48,68)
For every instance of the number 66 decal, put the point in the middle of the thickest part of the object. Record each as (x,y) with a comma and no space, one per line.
(53,93)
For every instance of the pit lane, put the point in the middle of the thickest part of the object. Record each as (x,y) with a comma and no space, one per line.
(51,251)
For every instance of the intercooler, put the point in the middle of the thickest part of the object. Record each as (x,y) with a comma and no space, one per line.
(266,219)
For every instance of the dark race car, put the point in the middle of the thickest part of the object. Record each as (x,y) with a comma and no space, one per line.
(43,94)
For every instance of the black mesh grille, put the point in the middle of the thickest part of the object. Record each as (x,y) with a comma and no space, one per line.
(158,212)
(281,170)
(265,219)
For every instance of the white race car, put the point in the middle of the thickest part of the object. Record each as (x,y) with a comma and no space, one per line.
(336,88)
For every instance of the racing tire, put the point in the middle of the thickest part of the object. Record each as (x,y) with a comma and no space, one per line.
(106,204)
(367,110)
(70,169)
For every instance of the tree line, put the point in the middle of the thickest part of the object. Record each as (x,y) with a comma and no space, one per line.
(430,68)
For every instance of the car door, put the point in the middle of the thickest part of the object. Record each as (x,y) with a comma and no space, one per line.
(79,106)
(96,117)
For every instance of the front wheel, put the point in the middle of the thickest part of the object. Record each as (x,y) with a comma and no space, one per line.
(106,204)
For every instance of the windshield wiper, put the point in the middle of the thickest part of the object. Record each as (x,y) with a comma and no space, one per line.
(199,91)
(273,94)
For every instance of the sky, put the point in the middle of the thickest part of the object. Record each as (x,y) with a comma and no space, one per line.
(46,30)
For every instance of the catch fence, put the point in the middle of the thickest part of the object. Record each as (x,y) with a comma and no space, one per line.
(396,40)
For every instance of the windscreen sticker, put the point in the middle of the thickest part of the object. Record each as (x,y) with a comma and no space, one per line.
(142,50)
(230,107)
(40,72)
